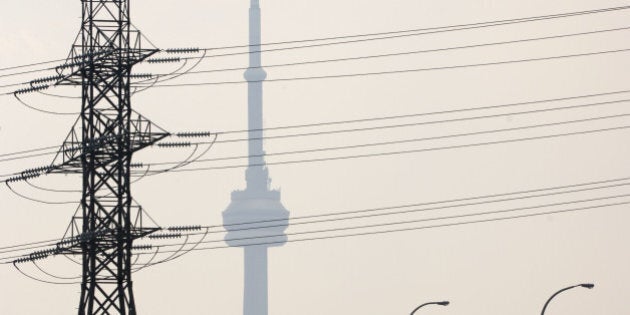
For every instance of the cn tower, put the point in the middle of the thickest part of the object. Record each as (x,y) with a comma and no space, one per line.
(257,202)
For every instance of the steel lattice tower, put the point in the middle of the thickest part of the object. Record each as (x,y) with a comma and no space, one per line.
(110,133)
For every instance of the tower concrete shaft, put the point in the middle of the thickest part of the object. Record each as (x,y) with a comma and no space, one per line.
(255,295)
(257,202)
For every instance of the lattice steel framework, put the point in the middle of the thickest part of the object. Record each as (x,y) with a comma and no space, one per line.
(110,132)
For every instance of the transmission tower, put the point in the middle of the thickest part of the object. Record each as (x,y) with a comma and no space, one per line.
(101,146)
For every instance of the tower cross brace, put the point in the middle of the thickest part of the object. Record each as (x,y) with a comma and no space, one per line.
(107,51)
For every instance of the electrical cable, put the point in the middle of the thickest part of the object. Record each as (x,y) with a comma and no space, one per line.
(371,119)
(370,213)
(53,276)
(459,216)
(387,143)
(451,111)
(559,15)
(43,110)
(432,203)
(181,164)
(440,29)
(424,123)
(32,64)
(523,19)
(429,32)
(413,52)
(29,151)
(529,215)
(391,153)
(37,200)
(189,71)
(544,192)
(392,142)
(381,232)
(40,280)
(400,71)
(157,251)
(184,163)
(50,189)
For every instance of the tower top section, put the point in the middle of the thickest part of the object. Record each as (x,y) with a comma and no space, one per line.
(258,202)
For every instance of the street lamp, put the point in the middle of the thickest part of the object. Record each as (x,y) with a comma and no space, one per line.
(443,303)
(583,285)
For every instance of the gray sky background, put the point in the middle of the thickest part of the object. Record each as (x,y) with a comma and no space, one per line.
(501,268)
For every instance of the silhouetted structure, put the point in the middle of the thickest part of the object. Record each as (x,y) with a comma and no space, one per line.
(100,147)
(257,202)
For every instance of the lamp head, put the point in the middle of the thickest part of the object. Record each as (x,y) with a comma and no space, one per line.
(587,285)
(444,303)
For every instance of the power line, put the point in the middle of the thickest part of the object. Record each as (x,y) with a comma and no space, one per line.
(463,223)
(413,52)
(544,192)
(379,211)
(383,143)
(382,55)
(386,143)
(358,74)
(398,33)
(25,72)
(372,119)
(37,200)
(610,183)
(32,64)
(28,151)
(429,31)
(391,153)
(43,110)
(401,71)
(382,232)
(424,123)
(524,19)
(449,217)
(514,217)
(412,115)
(28,156)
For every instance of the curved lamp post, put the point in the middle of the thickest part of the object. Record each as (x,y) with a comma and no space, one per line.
(583,285)
(444,303)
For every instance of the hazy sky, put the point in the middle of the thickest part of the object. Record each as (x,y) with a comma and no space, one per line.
(499,268)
